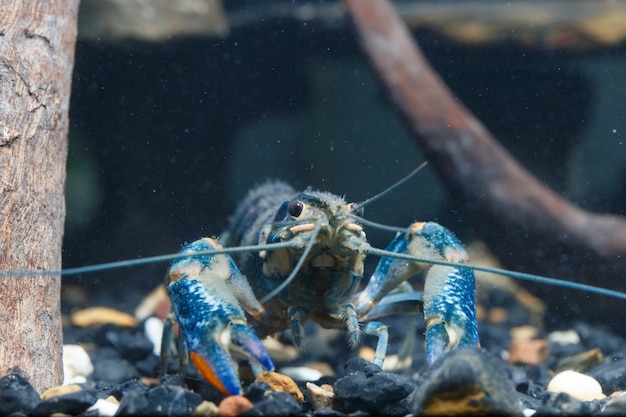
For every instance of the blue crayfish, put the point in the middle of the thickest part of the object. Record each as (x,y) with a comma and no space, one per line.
(294,256)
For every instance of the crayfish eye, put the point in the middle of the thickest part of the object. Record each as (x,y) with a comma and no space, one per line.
(358,211)
(295,208)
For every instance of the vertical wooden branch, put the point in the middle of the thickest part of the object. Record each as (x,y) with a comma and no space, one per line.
(37,40)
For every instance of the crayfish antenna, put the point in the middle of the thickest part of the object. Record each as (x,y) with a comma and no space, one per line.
(389,189)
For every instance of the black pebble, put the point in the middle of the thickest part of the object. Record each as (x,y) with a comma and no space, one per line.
(538,374)
(102,388)
(113,370)
(366,388)
(72,404)
(563,404)
(325,412)
(149,366)
(274,404)
(17,395)
(256,391)
(467,378)
(495,338)
(129,387)
(160,401)
(518,377)
(611,375)
(559,351)
(596,337)
(198,385)
(130,345)
(361,366)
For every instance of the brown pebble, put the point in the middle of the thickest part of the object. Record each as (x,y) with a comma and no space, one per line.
(74,295)
(366,353)
(279,351)
(528,351)
(60,390)
(149,382)
(281,383)
(112,399)
(582,362)
(481,312)
(157,303)
(96,316)
(206,409)
(524,332)
(233,406)
(497,315)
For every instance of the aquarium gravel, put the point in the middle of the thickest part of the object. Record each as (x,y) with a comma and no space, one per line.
(512,373)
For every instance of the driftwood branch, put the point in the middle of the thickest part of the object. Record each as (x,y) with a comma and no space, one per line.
(528,226)
(37,57)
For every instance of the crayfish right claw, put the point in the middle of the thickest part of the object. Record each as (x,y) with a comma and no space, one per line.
(438,340)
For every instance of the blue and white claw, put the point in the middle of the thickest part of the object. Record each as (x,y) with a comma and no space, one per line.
(449,298)
(207,294)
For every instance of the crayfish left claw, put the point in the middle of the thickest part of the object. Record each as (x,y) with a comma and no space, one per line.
(213,360)
(214,364)
(204,291)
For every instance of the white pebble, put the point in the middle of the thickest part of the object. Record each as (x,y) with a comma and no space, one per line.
(153,329)
(77,365)
(564,337)
(279,351)
(580,386)
(104,408)
(321,397)
(301,373)
(393,363)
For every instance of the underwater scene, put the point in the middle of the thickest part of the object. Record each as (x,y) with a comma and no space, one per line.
(179,108)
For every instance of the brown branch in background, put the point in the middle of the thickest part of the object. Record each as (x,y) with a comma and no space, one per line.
(528,226)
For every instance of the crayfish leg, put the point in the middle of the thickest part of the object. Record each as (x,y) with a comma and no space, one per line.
(376,328)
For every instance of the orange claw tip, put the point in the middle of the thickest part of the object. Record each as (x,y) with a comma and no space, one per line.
(231,387)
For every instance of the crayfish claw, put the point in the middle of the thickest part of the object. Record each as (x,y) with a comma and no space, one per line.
(207,293)
(247,344)
(214,363)
(438,340)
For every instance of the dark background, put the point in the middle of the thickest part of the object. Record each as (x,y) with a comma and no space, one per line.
(166,136)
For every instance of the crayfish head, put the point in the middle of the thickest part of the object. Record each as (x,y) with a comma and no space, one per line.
(322,216)
(322,267)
